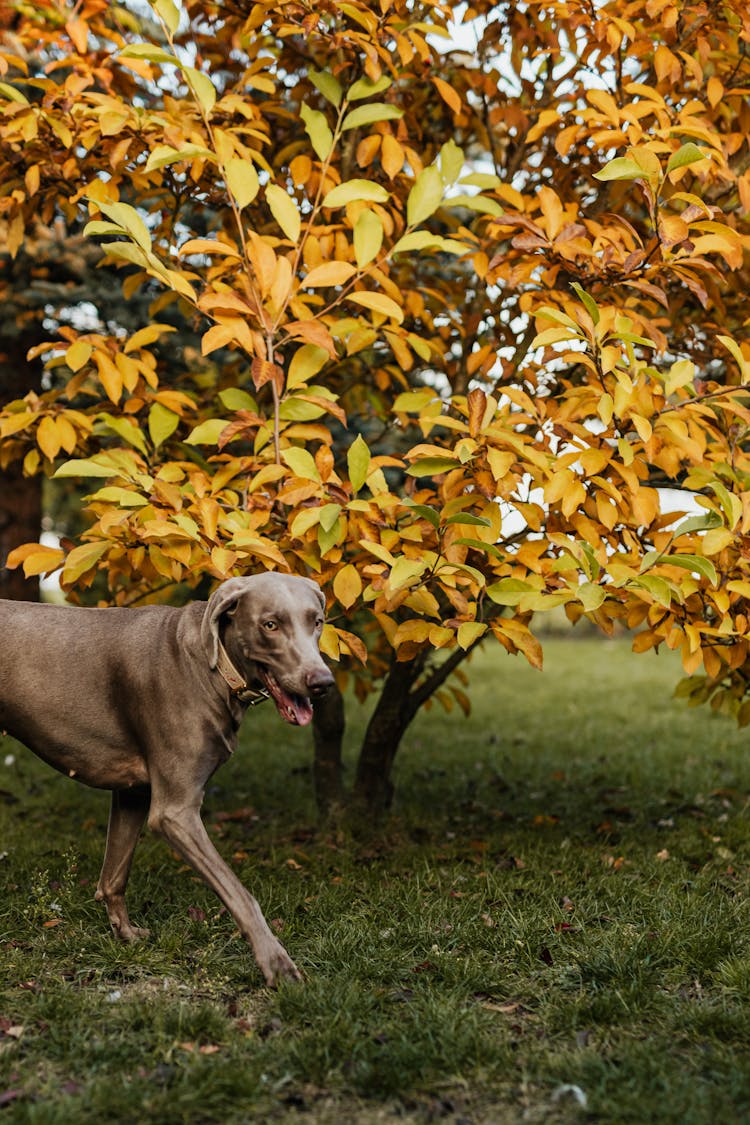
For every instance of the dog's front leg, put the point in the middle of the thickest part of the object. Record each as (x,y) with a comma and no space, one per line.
(126,816)
(182,827)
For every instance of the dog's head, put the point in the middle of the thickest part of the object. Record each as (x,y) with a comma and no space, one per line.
(271,628)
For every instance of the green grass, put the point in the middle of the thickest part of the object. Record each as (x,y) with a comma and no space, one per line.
(557,909)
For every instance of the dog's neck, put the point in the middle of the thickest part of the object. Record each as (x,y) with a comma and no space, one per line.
(237,683)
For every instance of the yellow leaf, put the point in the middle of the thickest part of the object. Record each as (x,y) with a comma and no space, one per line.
(329,273)
(379,303)
(347,585)
(36,559)
(448,94)
(329,643)
(47,438)
(284,211)
(242,181)
(81,560)
(109,376)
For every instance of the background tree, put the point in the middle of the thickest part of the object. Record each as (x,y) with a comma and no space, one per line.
(516,274)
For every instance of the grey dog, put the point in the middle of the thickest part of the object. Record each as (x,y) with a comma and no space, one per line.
(148,703)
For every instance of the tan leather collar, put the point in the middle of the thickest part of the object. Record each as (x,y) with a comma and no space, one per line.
(236,682)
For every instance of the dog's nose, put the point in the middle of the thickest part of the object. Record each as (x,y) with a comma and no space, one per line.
(318,681)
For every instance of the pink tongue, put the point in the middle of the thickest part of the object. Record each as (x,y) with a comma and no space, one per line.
(295,709)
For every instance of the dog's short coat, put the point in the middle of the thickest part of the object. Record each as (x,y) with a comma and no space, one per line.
(148,702)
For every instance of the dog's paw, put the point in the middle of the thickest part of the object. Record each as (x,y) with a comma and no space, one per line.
(132,933)
(278,966)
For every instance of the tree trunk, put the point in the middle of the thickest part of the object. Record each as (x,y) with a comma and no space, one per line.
(328,735)
(373,789)
(20,496)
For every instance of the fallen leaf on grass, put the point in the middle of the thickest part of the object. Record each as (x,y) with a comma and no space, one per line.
(237,814)
(505,1007)
(8,1096)
(663,855)
(52,922)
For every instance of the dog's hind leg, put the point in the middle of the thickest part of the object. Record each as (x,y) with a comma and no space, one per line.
(128,811)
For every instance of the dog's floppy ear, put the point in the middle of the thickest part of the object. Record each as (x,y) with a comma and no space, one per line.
(221,601)
(319,592)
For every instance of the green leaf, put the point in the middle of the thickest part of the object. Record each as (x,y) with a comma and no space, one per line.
(417,240)
(424,512)
(368,238)
(149,53)
(703,522)
(432,466)
(329,515)
(125,251)
(234,398)
(13,94)
(478,203)
(284,211)
(467,517)
(587,300)
(85,467)
(351,190)
(366,88)
(405,571)
(131,222)
(162,423)
(414,401)
(301,463)
(327,85)
(126,429)
(318,130)
(100,226)
(452,161)
(736,351)
(202,88)
(659,588)
(621,168)
(112,494)
(468,632)
(590,595)
(487,181)
(169,12)
(695,563)
(689,153)
(208,432)
(369,114)
(426,195)
(509,591)
(358,462)
(242,180)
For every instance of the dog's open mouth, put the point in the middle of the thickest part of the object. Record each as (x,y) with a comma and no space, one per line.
(295,709)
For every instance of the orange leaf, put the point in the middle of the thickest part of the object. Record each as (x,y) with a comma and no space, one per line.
(448,94)
(263,371)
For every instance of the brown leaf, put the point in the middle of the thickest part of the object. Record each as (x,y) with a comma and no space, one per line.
(263,371)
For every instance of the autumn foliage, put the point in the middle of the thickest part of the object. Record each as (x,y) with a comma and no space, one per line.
(463,311)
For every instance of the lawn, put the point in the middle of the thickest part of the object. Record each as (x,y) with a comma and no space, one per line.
(551,927)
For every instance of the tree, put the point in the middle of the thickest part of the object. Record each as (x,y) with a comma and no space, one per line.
(516,276)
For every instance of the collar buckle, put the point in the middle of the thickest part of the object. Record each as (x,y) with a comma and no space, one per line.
(237,684)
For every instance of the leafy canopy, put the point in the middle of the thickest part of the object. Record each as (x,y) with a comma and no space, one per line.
(462,314)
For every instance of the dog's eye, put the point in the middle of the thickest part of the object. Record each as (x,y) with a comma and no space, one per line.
(270,626)
(318,622)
